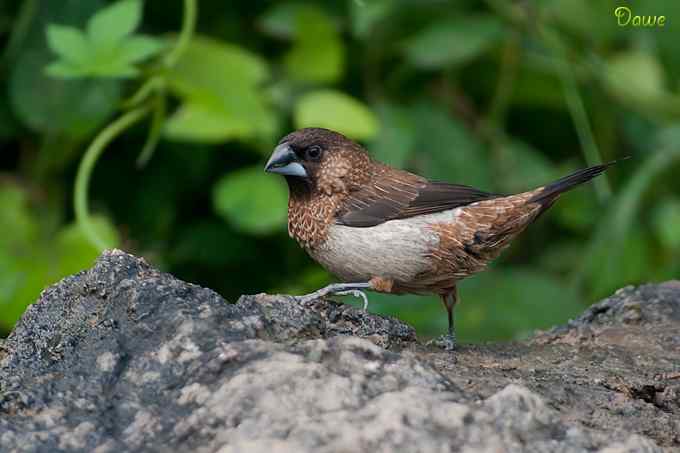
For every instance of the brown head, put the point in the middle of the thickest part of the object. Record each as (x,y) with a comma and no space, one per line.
(316,160)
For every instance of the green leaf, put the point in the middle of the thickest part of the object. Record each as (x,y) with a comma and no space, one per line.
(224,79)
(366,15)
(107,51)
(447,150)
(578,210)
(18,226)
(76,252)
(113,66)
(71,108)
(666,222)
(635,73)
(252,201)
(138,48)
(627,260)
(21,281)
(512,303)
(593,22)
(667,40)
(396,140)
(537,88)
(68,42)
(117,68)
(64,70)
(520,167)
(611,259)
(8,124)
(280,19)
(638,80)
(320,61)
(198,123)
(209,243)
(337,111)
(113,23)
(318,53)
(562,257)
(308,279)
(666,137)
(211,67)
(20,231)
(453,41)
(32,256)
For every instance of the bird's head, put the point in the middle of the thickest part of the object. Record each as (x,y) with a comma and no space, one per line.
(320,158)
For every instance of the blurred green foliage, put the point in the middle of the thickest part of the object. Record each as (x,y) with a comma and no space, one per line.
(502,95)
(106,49)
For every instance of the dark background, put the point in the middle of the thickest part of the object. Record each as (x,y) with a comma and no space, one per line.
(502,95)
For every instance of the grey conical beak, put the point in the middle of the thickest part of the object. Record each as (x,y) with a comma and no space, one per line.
(284,162)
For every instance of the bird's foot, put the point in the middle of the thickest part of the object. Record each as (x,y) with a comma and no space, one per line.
(356,293)
(446,342)
(340,289)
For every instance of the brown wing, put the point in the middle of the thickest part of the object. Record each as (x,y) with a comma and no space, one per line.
(396,194)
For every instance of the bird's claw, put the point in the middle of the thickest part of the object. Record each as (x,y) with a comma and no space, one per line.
(445,342)
(356,293)
(340,289)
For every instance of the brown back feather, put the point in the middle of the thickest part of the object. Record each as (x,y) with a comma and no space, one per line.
(396,194)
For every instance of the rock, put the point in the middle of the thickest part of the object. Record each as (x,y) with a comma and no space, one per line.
(124,358)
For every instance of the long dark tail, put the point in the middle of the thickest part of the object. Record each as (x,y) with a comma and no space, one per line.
(553,190)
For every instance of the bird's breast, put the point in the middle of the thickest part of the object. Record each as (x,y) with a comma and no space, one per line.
(398,250)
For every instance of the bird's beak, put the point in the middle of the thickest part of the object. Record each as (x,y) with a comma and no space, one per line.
(284,162)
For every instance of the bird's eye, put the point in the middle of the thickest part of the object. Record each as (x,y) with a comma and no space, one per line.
(313,152)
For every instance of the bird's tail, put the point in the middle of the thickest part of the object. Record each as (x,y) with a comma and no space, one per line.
(553,190)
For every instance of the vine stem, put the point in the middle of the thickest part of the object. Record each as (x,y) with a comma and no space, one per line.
(113,130)
(148,88)
(158,116)
(185,35)
(86,166)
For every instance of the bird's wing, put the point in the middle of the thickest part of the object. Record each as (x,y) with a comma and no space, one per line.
(395,194)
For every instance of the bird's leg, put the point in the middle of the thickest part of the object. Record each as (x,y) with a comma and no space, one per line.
(340,289)
(449,300)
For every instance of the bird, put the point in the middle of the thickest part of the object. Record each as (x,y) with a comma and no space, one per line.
(387,230)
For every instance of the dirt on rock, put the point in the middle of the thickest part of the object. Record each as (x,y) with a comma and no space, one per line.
(125,358)
(615,368)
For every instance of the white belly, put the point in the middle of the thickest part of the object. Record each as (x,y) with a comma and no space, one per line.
(396,250)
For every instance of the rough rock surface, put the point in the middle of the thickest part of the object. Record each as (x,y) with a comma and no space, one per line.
(124,358)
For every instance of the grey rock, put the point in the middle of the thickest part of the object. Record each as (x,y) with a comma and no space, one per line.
(125,358)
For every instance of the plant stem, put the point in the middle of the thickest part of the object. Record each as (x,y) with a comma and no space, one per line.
(157,119)
(22,23)
(86,166)
(125,121)
(577,109)
(579,115)
(612,231)
(185,35)
(148,88)
(506,79)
